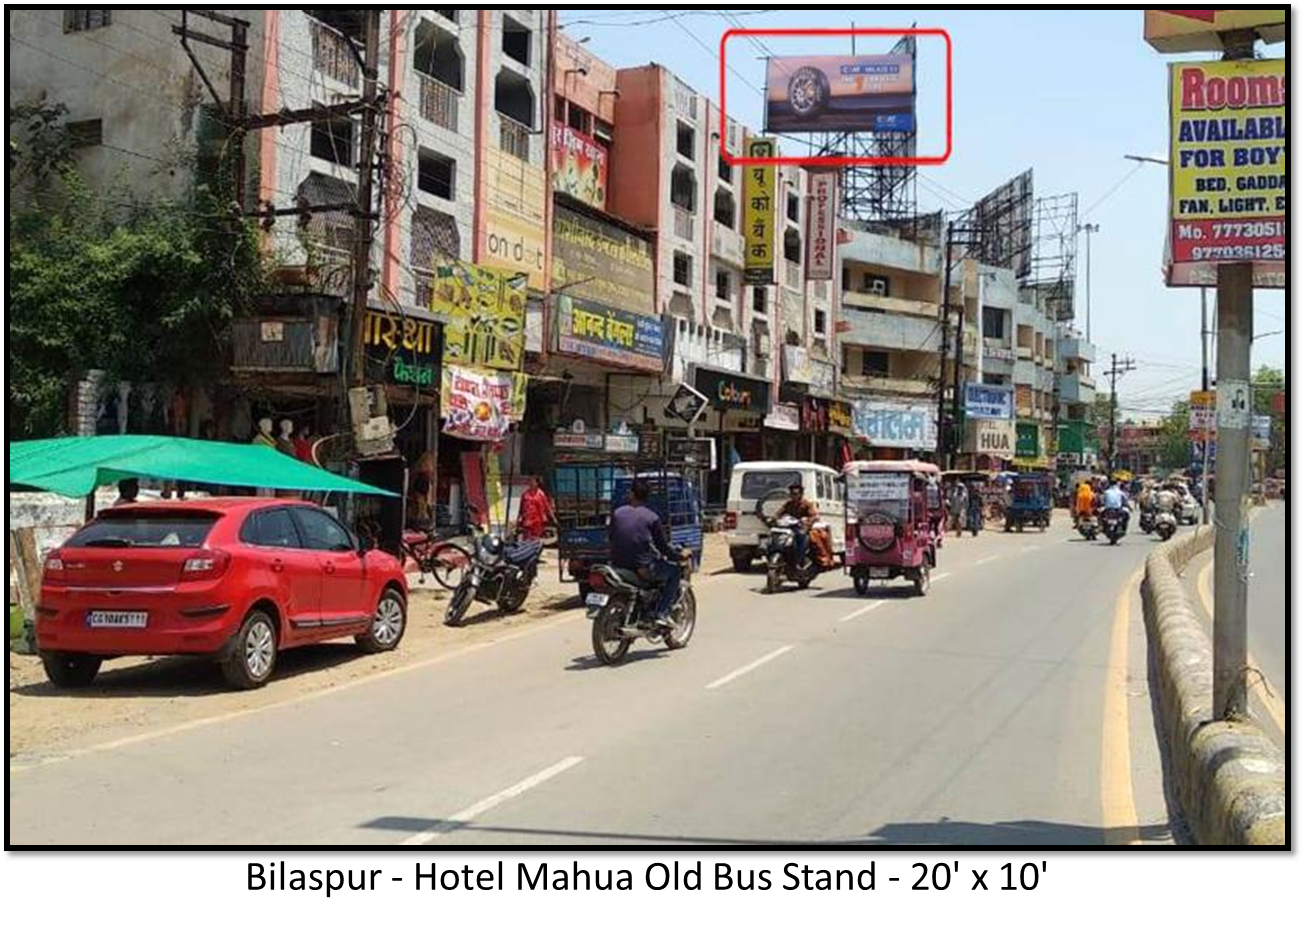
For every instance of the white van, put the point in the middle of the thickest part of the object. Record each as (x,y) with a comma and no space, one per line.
(745,532)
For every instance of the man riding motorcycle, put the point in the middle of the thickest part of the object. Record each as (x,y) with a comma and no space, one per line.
(799,507)
(638,543)
(1115,499)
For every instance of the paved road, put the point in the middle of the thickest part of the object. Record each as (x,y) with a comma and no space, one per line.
(1010,705)
(1267,614)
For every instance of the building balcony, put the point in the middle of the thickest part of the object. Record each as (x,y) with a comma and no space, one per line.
(514,138)
(890,332)
(1077,349)
(1023,353)
(889,304)
(439,103)
(333,55)
(886,251)
(683,223)
(887,385)
(1077,390)
(726,244)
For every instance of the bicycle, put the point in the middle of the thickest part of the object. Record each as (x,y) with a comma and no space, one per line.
(438,552)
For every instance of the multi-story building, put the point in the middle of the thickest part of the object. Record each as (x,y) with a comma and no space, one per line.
(890,336)
(1077,444)
(1035,340)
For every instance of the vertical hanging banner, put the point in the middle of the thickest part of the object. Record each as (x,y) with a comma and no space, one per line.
(1227,173)
(758,214)
(822,227)
(484,315)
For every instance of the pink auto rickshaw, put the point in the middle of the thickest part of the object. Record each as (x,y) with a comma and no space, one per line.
(891,525)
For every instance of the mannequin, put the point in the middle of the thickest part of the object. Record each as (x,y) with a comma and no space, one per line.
(285,439)
(264,435)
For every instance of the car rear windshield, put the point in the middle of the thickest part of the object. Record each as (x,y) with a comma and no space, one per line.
(761,484)
(146,529)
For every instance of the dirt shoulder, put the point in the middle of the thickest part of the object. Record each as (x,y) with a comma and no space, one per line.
(141,695)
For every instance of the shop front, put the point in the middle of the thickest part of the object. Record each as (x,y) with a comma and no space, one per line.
(811,385)
(738,407)
(606,342)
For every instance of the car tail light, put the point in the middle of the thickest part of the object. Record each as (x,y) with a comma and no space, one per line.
(54,571)
(731,520)
(209,565)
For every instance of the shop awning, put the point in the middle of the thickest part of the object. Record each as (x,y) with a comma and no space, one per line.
(76,466)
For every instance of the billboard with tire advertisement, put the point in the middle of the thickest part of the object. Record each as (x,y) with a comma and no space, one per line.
(840,93)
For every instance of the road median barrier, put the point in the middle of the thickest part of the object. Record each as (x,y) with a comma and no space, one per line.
(1230,779)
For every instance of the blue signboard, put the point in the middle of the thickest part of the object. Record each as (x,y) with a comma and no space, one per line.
(886,425)
(986,401)
(611,335)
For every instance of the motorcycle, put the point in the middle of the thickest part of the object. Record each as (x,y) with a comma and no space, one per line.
(1113,521)
(499,573)
(1088,526)
(1165,524)
(1147,520)
(621,604)
(780,552)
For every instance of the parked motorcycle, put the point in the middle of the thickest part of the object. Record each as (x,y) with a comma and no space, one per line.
(621,606)
(499,573)
(781,563)
(1113,522)
(1165,524)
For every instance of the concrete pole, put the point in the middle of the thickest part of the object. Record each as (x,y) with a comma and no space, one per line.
(1231,553)
(1231,542)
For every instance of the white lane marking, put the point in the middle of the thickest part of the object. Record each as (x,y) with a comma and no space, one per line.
(987,559)
(865,610)
(939,577)
(726,679)
(489,803)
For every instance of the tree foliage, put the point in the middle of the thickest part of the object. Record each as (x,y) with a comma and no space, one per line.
(143,289)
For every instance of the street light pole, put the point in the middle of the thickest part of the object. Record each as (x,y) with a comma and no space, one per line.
(1090,229)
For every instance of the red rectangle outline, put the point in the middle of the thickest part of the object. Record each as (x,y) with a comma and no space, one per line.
(830,161)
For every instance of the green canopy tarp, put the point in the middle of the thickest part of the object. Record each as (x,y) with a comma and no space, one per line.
(76,466)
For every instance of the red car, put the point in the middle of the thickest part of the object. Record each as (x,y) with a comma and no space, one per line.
(236,579)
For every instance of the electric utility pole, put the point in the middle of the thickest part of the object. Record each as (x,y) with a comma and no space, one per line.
(948,437)
(1116,369)
(1089,229)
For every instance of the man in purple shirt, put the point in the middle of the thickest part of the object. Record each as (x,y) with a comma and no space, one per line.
(638,543)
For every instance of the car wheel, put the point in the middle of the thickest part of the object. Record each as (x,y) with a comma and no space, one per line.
(70,670)
(387,624)
(862,585)
(808,92)
(742,562)
(253,652)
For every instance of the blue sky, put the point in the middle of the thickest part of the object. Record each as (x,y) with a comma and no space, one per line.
(1067,93)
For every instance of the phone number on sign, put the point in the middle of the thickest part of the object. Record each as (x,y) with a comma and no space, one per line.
(1249,230)
(1240,252)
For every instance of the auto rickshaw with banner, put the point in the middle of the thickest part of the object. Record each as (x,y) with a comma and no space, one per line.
(1030,500)
(890,530)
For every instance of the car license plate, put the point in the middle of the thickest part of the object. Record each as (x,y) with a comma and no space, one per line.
(596,600)
(879,572)
(117,619)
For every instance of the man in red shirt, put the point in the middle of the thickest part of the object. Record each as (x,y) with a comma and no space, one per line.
(536,512)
